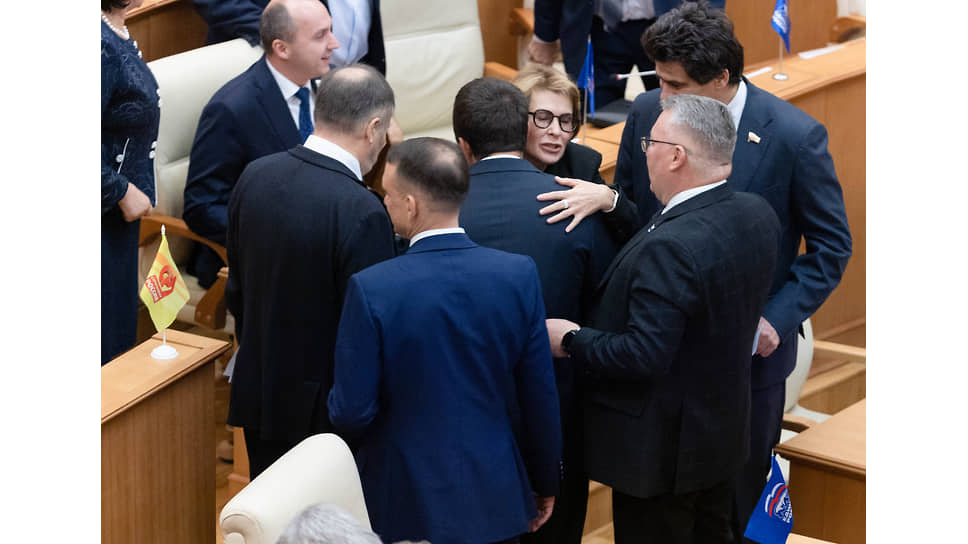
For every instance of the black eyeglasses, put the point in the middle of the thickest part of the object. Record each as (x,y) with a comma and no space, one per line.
(646,142)
(543,119)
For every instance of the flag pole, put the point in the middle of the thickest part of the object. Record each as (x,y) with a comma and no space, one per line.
(164,351)
(779,75)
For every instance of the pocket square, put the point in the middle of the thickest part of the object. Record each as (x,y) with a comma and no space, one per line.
(752,137)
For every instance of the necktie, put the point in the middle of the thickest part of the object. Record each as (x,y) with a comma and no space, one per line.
(610,11)
(305,121)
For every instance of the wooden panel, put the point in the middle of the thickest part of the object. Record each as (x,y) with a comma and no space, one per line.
(837,444)
(809,28)
(599,512)
(166,27)
(499,44)
(836,389)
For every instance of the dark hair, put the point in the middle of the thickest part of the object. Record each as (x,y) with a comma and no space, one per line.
(111,5)
(436,167)
(275,23)
(700,38)
(348,97)
(492,116)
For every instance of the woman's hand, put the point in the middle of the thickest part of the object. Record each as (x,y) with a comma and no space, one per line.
(582,199)
(134,203)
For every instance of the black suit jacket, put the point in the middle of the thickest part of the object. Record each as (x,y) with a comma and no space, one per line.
(230,19)
(300,224)
(667,347)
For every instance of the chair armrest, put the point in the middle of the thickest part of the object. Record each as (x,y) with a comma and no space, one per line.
(521,22)
(833,349)
(797,424)
(498,70)
(151,229)
(847,28)
(210,310)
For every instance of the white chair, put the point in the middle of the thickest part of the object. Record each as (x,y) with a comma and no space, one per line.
(186,82)
(318,469)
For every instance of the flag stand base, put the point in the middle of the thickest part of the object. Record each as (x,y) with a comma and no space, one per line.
(781,77)
(164,351)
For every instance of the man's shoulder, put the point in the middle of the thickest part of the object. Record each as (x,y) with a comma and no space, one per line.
(241,89)
(786,115)
(646,103)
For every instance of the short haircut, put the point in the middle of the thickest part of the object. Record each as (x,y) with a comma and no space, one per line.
(707,121)
(111,5)
(436,167)
(539,77)
(700,38)
(326,524)
(348,97)
(275,24)
(491,115)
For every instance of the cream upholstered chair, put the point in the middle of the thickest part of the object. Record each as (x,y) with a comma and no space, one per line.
(318,469)
(433,48)
(186,82)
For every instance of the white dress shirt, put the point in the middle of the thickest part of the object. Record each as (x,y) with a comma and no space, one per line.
(289,90)
(737,104)
(435,232)
(351,25)
(689,193)
(335,152)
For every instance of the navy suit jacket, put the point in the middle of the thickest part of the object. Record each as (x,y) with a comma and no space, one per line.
(300,224)
(571,21)
(230,19)
(667,347)
(443,372)
(244,120)
(791,168)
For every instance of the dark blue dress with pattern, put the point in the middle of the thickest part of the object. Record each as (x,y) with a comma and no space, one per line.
(130,112)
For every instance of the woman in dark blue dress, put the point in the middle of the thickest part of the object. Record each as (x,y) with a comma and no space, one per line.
(130,105)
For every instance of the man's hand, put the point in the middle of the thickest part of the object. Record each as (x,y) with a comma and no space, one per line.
(542,52)
(556,331)
(769,339)
(582,199)
(134,203)
(545,506)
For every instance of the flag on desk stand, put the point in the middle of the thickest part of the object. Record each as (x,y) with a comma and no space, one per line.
(586,81)
(781,24)
(164,293)
(772,518)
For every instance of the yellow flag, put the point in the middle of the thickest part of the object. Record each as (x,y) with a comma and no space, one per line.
(164,291)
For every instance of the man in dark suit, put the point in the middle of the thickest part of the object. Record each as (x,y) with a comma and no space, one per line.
(781,154)
(615,30)
(444,381)
(667,347)
(490,123)
(359,32)
(301,222)
(266,109)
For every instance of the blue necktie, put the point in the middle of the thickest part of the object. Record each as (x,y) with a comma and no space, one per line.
(305,121)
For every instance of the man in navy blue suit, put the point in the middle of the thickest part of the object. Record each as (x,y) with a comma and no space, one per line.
(666,350)
(266,109)
(781,154)
(615,27)
(444,384)
(491,124)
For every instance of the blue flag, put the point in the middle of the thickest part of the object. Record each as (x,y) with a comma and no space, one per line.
(586,78)
(772,518)
(781,21)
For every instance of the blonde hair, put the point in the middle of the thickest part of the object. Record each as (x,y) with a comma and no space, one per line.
(538,76)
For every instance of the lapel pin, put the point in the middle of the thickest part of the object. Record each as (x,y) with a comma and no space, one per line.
(752,137)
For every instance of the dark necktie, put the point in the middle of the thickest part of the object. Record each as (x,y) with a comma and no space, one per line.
(305,121)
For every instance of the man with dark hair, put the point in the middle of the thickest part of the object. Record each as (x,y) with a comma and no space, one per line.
(781,154)
(266,109)
(301,222)
(444,382)
(666,349)
(490,122)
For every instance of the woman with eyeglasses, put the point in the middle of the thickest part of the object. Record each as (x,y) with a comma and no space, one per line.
(553,120)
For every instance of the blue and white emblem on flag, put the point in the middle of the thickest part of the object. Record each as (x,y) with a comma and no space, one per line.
(772,518)
(781,21)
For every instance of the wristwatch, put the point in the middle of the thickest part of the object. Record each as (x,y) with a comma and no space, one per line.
(567,339)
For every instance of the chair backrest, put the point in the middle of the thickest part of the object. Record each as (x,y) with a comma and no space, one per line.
(318,469)
(794,381)
(433,48)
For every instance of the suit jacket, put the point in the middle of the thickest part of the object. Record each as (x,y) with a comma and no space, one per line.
(230,19)
(300,224)
(501,211)
(443,370)
(244,120)
(791,168)
(571,21)
(667,347)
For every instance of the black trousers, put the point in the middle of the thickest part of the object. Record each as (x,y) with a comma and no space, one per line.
(699,517)
(262,452)
(615,52)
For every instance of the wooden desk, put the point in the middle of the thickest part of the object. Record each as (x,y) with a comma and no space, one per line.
(157,473)
(828,477)
(166,27)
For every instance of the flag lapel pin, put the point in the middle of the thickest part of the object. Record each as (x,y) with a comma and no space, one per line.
(752,137)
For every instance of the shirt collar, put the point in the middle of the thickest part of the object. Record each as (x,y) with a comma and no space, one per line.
(335,152)
(501,156)
(737,104)
(689,193)
(286,86)
(435,232)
